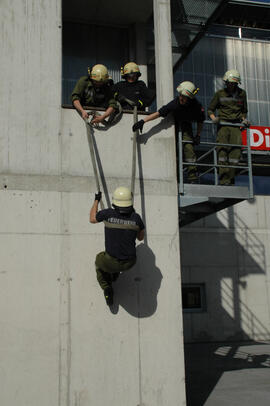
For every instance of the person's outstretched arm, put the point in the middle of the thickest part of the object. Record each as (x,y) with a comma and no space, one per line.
(94,208)
(139,125)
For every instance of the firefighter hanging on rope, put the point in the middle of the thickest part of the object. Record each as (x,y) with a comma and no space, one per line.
(122,226)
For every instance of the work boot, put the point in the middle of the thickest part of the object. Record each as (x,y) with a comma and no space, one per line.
(192,176)
(108,294)
(226,182)
(193,181)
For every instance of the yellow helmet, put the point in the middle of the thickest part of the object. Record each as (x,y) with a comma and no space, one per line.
(99,73)
(130,67)
(232,76)
(122,197)
(187,89)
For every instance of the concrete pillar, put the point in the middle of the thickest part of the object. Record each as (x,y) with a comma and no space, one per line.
(141,51)
(163,51)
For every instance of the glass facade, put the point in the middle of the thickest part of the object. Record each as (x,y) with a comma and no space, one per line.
(212,56)
(206,65)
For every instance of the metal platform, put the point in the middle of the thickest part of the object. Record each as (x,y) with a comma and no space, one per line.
(202,200)
(216,191)
(199,200)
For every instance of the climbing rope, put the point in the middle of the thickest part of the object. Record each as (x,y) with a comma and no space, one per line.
(104,125)
(90,135)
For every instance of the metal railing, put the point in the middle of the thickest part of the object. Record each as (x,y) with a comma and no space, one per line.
(213,167)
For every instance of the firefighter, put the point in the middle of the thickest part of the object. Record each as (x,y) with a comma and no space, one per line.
(94,90)
(185,109)
(122,226)
(131,91)
(231,106)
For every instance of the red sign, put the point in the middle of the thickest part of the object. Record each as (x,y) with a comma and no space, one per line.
(259,138)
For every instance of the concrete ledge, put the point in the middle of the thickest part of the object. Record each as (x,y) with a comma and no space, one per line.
(80,184)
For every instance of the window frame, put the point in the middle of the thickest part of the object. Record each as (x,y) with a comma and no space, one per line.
(202,290)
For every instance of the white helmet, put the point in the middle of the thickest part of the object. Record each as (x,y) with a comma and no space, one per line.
(99,73)
(122,197)
(130,67)
(232,76)
(187,89)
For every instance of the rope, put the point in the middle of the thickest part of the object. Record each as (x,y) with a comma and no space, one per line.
(112,120)
(90,134)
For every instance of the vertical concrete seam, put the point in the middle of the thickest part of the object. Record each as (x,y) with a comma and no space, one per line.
(139,346)
(65,307)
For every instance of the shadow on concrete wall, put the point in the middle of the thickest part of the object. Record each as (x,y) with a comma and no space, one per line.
(137,289)
(207,362)
(234,320)
(164,124)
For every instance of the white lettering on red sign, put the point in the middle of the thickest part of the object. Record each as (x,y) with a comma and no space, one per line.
(259,138)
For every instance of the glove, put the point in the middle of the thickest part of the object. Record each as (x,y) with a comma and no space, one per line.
(98,196)
(138,126)
(245,122)
(139,104)
(216,120)
(196,140)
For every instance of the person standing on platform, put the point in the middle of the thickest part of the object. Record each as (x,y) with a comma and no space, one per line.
(231,106)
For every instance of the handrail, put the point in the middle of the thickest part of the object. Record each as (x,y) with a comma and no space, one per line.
(71,107)
(218,144)
(214,166)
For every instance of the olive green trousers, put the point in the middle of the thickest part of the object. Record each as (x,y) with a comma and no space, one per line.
(228,155)
(188,150)
(108,268)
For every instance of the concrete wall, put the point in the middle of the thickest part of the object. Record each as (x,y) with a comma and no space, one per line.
(229,253)
(60,343)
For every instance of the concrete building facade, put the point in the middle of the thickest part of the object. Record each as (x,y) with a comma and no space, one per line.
(60,344)
(228,254)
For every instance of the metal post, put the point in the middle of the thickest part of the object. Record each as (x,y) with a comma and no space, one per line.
(251,193)
(215,168)
(180,154)
(134,144)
